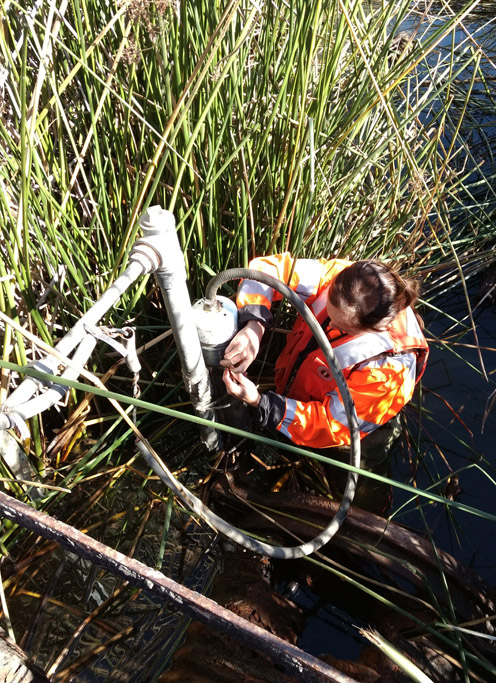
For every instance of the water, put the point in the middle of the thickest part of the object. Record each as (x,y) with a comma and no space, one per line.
(460,437)
(453,441)
(72,615)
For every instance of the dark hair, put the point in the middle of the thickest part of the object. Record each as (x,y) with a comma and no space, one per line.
(372,294)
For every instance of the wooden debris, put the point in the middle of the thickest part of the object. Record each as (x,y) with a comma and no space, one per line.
(15,665)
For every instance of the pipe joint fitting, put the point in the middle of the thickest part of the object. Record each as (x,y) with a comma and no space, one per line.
(16,423)
(147,251)
(159,230)
(156,220)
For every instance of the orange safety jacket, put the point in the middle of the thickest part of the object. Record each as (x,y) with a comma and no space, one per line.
(381,368)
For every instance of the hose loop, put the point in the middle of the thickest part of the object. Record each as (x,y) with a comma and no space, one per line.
(232,533)
(312,322)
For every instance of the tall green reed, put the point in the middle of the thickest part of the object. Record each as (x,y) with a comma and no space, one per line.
(326,128)
(331,128)
(207,112)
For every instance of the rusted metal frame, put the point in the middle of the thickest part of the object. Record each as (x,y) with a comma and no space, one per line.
(294,660)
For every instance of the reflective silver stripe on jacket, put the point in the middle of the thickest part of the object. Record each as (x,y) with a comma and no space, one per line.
(320,302)
(372,344)
(308,272)
(252,288)
(412,325)
(359,349)
(336,408)
(288,417)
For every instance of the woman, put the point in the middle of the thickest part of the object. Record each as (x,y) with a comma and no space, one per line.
(367,312)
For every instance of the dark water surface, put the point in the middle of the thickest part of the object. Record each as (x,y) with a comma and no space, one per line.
(454,400)
(461,436)
(453,442)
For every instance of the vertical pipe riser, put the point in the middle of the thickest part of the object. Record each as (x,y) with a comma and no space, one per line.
(171,279)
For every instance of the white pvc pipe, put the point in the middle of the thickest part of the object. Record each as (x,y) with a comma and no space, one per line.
(158,251)
(56,392)
(146,256)
(171,278)
(67,344)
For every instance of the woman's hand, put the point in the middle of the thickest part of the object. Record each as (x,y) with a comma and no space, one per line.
(244,347)
(241,387)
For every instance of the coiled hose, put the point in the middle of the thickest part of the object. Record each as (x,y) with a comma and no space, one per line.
(217,523)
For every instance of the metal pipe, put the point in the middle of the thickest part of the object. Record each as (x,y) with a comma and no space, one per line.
(56,392)
(171,279)
(302,665)
(146,256)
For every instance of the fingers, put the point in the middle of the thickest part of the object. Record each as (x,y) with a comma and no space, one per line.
(238,366)
(241,352)
(238,361)
(232,384)
(235,379)
(241,387)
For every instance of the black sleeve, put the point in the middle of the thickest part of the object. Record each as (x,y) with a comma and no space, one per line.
(270,411)
(255,312)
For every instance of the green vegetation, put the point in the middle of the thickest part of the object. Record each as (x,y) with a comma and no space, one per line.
(333,128)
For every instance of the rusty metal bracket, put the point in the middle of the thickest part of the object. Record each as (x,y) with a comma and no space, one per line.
(295,661)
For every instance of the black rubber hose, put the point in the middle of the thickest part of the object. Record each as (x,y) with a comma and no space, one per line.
(221,526)
(312,322)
